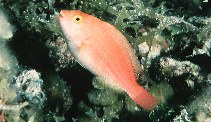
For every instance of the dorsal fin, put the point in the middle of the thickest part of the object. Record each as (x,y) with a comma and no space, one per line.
(133,58)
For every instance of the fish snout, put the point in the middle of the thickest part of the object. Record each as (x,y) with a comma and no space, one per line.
(60,15)
(63,14)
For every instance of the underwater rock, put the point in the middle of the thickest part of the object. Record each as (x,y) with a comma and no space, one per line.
(175,68)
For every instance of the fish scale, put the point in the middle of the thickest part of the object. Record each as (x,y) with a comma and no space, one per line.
(118,66)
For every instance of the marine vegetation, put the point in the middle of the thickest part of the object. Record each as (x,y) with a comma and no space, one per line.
(41,81)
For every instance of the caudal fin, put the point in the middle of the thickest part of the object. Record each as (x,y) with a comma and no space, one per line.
(143,98)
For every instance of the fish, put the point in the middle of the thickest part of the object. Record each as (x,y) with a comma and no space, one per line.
(103,50)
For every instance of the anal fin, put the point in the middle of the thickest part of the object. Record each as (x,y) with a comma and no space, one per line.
(103,83)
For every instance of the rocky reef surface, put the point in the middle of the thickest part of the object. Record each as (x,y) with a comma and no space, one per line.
(41,81)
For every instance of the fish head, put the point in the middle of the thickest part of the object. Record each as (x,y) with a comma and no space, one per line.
(75,25)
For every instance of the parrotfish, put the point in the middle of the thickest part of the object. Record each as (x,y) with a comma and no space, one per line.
(103,50)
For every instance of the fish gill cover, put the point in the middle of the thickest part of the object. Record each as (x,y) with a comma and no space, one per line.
(172,40)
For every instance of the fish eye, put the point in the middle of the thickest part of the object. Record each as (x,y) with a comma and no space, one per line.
(77,19)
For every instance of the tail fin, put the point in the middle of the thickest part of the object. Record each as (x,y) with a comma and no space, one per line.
(143,98)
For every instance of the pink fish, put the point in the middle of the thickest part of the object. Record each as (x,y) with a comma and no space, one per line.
(103,50)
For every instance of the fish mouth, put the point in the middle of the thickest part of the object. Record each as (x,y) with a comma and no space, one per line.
(61,14)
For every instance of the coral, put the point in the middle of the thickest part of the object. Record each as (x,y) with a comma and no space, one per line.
(183,117)
(108,105)
(25,93)
(7,94)
(176,68)
(21,95)
(150,50)
(10,103)
(28,86)
(206,48)
(15,111)
(39,18)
